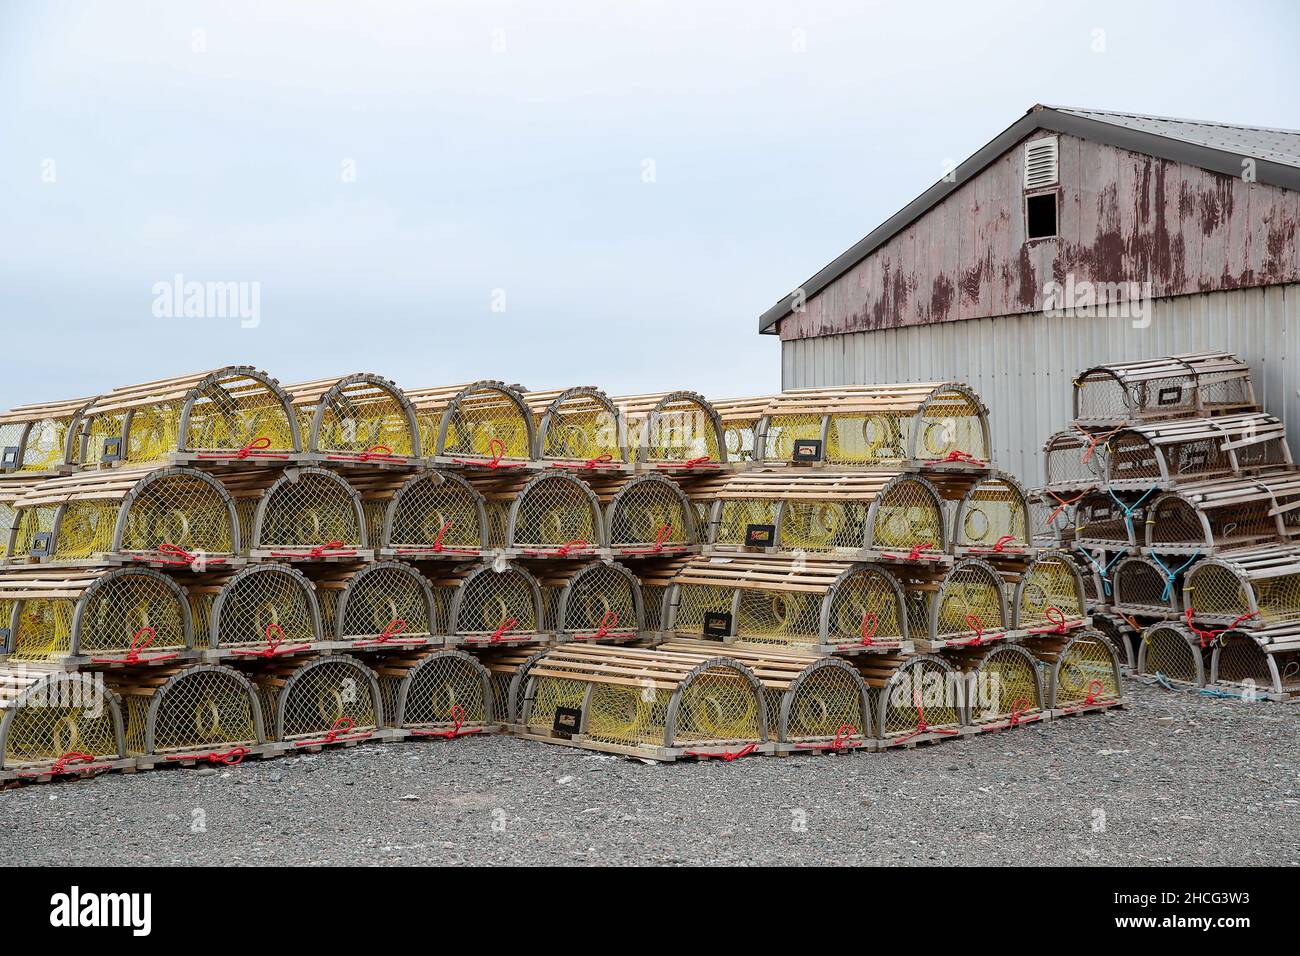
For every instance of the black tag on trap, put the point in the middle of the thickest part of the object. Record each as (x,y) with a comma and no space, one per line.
(568,721)
(717,624)
(42,544)
(112,450)
(807,450)
(760,535)
(10,458)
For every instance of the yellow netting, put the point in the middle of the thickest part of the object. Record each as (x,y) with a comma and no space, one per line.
(86,529)
(581,428)
(230,413)
(1086,667)
(490,600)
(1214,590)
(907,513)
(682,430)
(99,430)
(737,514)
(554,510)
(1277,598)
(432,504)
(922,686)
(360,415)
(1005,683)
(204,707)
(630,716)
(741,440)
(1167,652)
(694,601)
(478,419)
(46,445)
(550,693)
(323,692)
(44,629)
(827,699)
(60,715)
(718,704)
(1050,582)
(31,522)
(868,439)
(649,510)
(181,509)
(267,596)
(779,617)
(442,683)
(379,597)
(995,510)
(124,604)
(11,435)
(822,525)
(315,509)
(970,599)
(600,594)
(868,594)
(784,430)
(951,421)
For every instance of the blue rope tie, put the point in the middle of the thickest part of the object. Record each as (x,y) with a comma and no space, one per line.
(1129,509)
(1170,575)
(1103,571)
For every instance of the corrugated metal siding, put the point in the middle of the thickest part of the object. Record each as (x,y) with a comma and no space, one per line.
(1024,365)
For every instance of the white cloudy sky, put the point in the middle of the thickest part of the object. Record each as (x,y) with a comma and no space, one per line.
(218,154)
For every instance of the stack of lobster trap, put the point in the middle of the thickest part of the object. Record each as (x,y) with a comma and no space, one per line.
(216,567)
(1178,495)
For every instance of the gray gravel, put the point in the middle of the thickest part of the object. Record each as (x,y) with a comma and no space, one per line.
(1176,779)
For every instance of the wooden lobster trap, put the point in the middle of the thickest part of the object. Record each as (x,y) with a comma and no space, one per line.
(191,714)
(508,669)
(1178,386)
(875,516)
(310,514)
(381,606)
(358,421)
(71,617)
(441,693)
(648,516)
(918,698)
(1081,672)
(235,415)
(656,577)
(934,425)
(645,703)
(1224,514)
(262,611)
(1108,521)
(1074,460)
(58,724)
(330,700)
(960,606)
(1049,521)
(1146,586)
(494,605)
(678,432)
(1122,634)
(1162,454)
(174,517)
(825,607)
(435,516)
(598,601)
(1262,663)
(552,515)
(744,426)
(485,424)
(579,428)
(41,439)
(991,517)
(1003,687)
(1170,653)
(1049,596)
(1252,588)
(814,704)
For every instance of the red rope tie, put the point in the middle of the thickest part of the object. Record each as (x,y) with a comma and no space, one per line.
(1057,617)
(133,655)
(273,645)
(575,545)
(507,624)
(437,546)
(869,635)
(1092,694)
(728,756)
(957,455)
(978,627)
(1000,547)
(1094,441)
(174,554)
(1018,711)
(921,725)
(1062,504)
(373,453)
(704,461)
(842,741)
(335,547)
(916,554)
(60,766)
(389,635)
(1208,637)
(458,716)
(497,449)
(591,464)
(661,539)
(254,449)
(229,757)
(606,626)
(341,729)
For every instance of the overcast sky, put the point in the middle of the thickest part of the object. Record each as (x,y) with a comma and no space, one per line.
(556,193)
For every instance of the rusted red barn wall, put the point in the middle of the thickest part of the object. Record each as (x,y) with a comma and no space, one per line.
(1123,217)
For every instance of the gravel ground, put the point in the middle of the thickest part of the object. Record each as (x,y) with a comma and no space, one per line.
(1173,779)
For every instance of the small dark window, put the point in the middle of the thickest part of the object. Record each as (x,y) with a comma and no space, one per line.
(1040,216)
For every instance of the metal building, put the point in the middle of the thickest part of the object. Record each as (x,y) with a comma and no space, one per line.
(1076,237)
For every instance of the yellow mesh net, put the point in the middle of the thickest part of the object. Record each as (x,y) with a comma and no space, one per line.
(737,514)
(554,510)
(694,601)
(770,616)
(228,414)
(126,604)
(61,714)
(923,692)
(952,421)
(1167,652)
(969,600)
(500,604)
(649,510)
(331,693)
(1006,682)
(182,509)
(907,513)
(1050,583)
(312,509)
(98,431)
(600,598)
(741,440)
(86,529)
(719,704)
(995,510)
(681,430)
(1085,668)
(446,688)
(436,510)
(204,707)
(1214,591)
(826,700)
(479,420)
(267,597)
(581,428)
(784,430)
(866,602)
(550,694)
(868,440)
(387,598)
(821,525)
(630,716)
(361,415)
(32,522)
(44,629)
(46,446)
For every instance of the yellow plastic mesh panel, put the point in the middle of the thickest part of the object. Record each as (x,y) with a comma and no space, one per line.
(203,708)
(98,430)
(550,693)
(124,604)
(440,684)
(311,511)
(784,430)
(381,596)
(1242,661)
(694,601)
(907,514)
(427,506)
(1049,583)
(1101,396)
(31,522)
(86,529)
(1101,518)
(1167,652)
(582,428)
(46,445)
(152,432)
(1085,668)
(135,719)
(361,415)
(554,511)
(1213,589)
(779,617)
(871,596)
(645,508)
(266,597)
(867,439)
(681,431)
(480,418)
(822,525)
(826,700)
(1141,585)
(627,715)
(923,688)
(324,693)
(1006,682)
(950,422)
(741,439)
(235,412)
(490,600)
(994,510)
(968,594)
(61,715)
(550,608)
(652,604)
(182,510)
(1278,598)
(597,592)
(737,514)
(719,704)
(44,629)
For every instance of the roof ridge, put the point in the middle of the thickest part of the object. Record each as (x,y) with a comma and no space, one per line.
(1084,110)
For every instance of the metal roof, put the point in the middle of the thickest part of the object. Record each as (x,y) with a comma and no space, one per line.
(1217,147)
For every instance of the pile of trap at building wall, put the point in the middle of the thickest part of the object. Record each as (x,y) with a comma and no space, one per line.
(1178,495)
(215,567)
